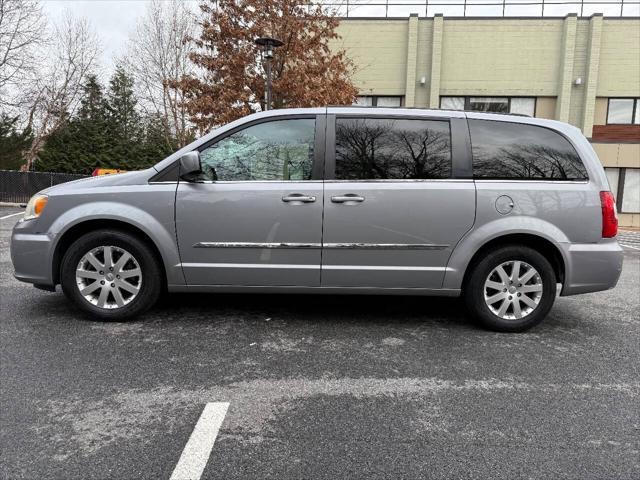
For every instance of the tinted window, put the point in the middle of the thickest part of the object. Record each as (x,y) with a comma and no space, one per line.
(519,151)
(392,149)
(278,150)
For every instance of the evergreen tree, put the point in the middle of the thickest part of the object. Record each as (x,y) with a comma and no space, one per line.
(12,143)
(92,105)
(83,143)
(154,146)
(107,132)
(124,121)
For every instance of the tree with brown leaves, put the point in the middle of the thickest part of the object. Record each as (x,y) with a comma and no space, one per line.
(306,72)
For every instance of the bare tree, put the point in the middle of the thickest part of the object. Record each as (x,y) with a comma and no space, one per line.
(22,34)
(158,54)
(58,90)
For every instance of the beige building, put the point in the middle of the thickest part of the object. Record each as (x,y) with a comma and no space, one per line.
(585,71)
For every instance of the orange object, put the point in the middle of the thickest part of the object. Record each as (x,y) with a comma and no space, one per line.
(106,171)
(41,202)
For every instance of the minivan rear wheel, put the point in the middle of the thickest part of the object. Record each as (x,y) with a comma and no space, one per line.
(111,275)
(510,289)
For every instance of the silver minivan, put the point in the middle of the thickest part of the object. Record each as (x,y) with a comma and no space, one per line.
(504,210)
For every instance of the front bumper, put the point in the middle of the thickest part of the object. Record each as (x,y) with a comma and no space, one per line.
(591,267)
(32,256)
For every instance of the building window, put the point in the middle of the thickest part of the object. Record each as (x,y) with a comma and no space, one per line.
(522,105)
(452,103)
(623,111)
(489,104)
(379,101)
(631,191)
(625,186)
(519,105)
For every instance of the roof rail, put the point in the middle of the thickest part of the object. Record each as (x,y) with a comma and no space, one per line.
(430,108)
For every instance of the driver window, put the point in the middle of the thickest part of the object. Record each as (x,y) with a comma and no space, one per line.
(277,150)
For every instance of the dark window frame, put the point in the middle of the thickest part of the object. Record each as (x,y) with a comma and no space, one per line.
(634,109)
(168,174)
(622,174)
(461,162)
(467,102)
(618,193)
(530,179)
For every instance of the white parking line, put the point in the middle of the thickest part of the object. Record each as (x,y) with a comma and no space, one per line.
(198,449)
(629,246)
(12,215)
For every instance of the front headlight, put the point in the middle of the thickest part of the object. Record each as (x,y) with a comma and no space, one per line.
(35,206)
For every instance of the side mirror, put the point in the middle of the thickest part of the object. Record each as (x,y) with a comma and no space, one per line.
(190,165)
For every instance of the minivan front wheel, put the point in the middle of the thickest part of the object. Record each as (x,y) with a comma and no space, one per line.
(511,289)
(111,275)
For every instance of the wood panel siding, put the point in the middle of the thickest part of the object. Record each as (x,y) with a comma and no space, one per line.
(616,133)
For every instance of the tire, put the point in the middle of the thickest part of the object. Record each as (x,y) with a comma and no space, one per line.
(485,301)
(140,271)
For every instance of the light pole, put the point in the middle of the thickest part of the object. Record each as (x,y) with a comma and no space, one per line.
(268,45)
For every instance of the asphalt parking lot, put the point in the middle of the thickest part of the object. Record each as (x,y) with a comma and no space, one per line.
(319,387)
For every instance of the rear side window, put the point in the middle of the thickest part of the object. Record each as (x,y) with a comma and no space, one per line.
(376,148)
(503,150)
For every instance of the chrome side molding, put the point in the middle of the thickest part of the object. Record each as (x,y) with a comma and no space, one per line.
(331,246)
(385,246)
(255,245)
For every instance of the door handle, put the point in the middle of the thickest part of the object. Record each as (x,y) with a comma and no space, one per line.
(299,197)
(349,197)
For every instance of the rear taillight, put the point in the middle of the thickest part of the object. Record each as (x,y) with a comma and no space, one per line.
(609,215)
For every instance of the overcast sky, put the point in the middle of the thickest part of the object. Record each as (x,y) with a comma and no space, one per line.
(113,20)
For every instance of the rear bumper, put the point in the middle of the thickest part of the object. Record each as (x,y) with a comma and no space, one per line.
(591,267)
(31,255)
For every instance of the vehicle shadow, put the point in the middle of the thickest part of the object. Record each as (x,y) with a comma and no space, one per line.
(298,309)
(370,309)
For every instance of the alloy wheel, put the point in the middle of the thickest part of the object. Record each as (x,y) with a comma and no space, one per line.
(513,290)
(109,277)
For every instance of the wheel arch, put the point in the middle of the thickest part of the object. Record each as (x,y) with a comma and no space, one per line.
(538,234)
(79,229)
(542,245)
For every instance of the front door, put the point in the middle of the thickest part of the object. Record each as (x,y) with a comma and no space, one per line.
(255,217)
(393,213)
